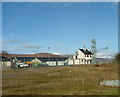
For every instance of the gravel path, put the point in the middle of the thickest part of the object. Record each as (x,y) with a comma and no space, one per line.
(111,83)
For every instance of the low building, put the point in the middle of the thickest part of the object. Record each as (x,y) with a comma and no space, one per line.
(50,59)
(5,62)
(82,56)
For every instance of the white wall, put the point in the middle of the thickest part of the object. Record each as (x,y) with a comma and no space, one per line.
(55,63)
(80,55)
(76,61)
(84,59)
(51,63)
(60,63)
(7,63)
(70,61)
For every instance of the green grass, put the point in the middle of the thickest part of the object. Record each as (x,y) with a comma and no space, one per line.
(64,80)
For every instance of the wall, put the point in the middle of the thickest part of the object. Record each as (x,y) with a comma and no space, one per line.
(51,63)
(60,63)
(70,62)
(55,63)
(82,56)
(78,61)
(7,63)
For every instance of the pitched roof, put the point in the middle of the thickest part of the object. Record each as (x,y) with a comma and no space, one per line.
(3,57)
(86,51)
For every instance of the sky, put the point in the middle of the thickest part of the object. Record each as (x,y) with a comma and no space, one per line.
(59,27)
(60,0)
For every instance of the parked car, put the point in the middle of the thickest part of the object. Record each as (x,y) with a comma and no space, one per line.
(23,65)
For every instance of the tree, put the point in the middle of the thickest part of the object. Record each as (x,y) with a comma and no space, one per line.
(5,52)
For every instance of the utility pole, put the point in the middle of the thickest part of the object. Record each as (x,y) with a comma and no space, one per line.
(93,48)
(38,49)
(106,48)
(66,51)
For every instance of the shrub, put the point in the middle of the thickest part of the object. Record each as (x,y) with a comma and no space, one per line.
(118,58)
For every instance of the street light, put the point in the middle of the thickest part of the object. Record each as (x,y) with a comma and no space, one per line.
(49,55)
(38,49)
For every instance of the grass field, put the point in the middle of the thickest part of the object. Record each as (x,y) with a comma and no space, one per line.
(64,80)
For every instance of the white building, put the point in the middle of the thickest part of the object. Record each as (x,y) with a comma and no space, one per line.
(82,56)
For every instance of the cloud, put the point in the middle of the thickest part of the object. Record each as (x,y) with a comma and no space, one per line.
(27,45)
(5,41)
(106,55)
(16,46)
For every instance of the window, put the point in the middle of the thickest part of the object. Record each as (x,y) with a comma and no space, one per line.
(90,61)
(87,55)
(76,57)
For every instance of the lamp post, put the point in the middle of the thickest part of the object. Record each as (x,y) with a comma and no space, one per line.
(38,49)
(66,56)
(49,54)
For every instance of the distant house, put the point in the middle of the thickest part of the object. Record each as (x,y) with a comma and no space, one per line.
(85,55)
(82,56)
(5,62)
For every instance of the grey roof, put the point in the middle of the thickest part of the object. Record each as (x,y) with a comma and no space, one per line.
(86,51)
(44,59)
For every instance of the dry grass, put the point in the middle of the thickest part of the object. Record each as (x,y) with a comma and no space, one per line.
(65,80)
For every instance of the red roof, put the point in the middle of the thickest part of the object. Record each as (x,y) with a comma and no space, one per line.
(42,55)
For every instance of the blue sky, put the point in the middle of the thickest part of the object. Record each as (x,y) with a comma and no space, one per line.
(32,27)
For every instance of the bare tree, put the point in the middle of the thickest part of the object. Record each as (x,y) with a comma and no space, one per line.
(5,52)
